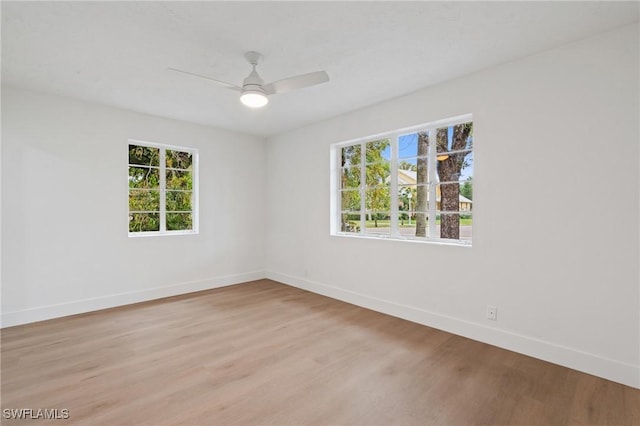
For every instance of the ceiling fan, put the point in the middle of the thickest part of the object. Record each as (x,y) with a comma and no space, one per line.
(254,92)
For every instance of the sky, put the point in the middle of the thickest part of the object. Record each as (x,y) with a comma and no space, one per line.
(408,150)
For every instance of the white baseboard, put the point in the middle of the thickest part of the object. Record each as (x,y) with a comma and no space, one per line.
(88,305)
(620,372)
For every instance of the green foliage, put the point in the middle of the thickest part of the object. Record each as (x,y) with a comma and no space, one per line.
(140,222)
(377,172)
(374,150)
(179,221)
(378,196)
(144,155)
(178,201)
(351,177)
(179,195)
(178,159)
(378,199)
(182,180)
(144,200)
(351,155)
(350,182)
(350,200)
(144,177)
(405,165)
(407,198)
(466,189)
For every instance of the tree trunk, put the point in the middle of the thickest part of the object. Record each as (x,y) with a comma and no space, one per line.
(422,191)
(450,223)
(449,171)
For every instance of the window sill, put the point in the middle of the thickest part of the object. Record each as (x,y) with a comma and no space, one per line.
(438,241)
(160,234)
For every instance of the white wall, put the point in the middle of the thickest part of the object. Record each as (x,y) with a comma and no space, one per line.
(64,209)
(555,237)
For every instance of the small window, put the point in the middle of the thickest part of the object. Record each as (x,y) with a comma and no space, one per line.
(409,184)
(162,189)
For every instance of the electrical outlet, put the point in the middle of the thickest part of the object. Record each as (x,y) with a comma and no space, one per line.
(492,312)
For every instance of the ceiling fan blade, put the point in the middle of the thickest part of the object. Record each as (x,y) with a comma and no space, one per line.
(222,83)
(297,82)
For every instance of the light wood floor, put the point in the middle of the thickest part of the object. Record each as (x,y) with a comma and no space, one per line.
(263,353)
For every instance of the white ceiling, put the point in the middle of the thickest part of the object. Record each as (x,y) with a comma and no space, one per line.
(116,53)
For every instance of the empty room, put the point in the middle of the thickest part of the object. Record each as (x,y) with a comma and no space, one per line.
(320,213)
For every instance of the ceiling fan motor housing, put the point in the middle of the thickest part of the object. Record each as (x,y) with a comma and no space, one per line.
(253,95)
(253,81)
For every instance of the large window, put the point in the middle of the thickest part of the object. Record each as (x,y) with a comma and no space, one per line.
(409,184)
(162,189)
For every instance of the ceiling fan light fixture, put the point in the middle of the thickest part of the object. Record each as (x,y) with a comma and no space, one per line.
(254,98)
(253,95)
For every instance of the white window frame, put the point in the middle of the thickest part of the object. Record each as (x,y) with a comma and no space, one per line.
(335,178)
(163,189)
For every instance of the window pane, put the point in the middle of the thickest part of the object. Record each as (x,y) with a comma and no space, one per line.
(466,196)
(408,146)
(378,151)
(144,177)
(142,200)
(350,201)
(378,174)
(422,224)
(407,197)
(450,198)
(408,221)
(350,222)
(455,226)
(144,155)
(378,199)
(140,222)
(179,221)
(453,167)
(178,159)
(466,172)
(350,155)
(179,180)
(420,199)
(178,201)
(350,177)
(378,223)
(411,146)
(407,170)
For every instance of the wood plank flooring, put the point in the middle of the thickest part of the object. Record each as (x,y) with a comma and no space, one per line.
(263,353)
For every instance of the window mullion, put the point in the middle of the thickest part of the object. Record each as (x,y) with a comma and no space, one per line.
(163,191)
(393,190)
(335,201)
(363,186)
(432,183)
(195,201)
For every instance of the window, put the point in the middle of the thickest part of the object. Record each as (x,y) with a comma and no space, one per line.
(162,189)
(409,184)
